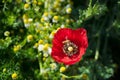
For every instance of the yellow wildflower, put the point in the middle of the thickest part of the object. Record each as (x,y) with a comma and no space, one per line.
(45,46)
(68,10)
(25,16)
(62,69)
(53,32)
(35,45)
(14,76)
(26,6)
(16,48)
(26,21)
(40,41)
(30,38)
(55,19)
(45,14)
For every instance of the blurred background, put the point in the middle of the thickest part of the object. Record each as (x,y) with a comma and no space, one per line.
(26,25)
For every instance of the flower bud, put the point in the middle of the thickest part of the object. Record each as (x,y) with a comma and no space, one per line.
(14,76)
(68,10)
(26,6)
(29,38)
(62,69)
(6,33)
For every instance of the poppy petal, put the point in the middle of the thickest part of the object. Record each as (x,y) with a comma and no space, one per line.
(78,37)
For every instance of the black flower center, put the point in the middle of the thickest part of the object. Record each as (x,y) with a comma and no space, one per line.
(69,48)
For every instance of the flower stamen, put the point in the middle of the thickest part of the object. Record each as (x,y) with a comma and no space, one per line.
(69,48)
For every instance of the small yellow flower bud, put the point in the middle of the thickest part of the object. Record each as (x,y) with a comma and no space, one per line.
(62,69)
(26,6)
(45,14)
(35,45)
(55,17)
(68,10)
(45,46)
(26,21)
(52,33)
(25,16)
(14,76)
(16,48)
(30,38)
(40,41)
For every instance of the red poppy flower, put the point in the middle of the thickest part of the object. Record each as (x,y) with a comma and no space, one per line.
(69,45)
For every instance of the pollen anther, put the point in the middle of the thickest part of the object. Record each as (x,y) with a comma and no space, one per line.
(69,48)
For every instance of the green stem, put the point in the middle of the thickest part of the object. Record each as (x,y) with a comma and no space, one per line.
(98,41)
(97,48)
(40,63)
